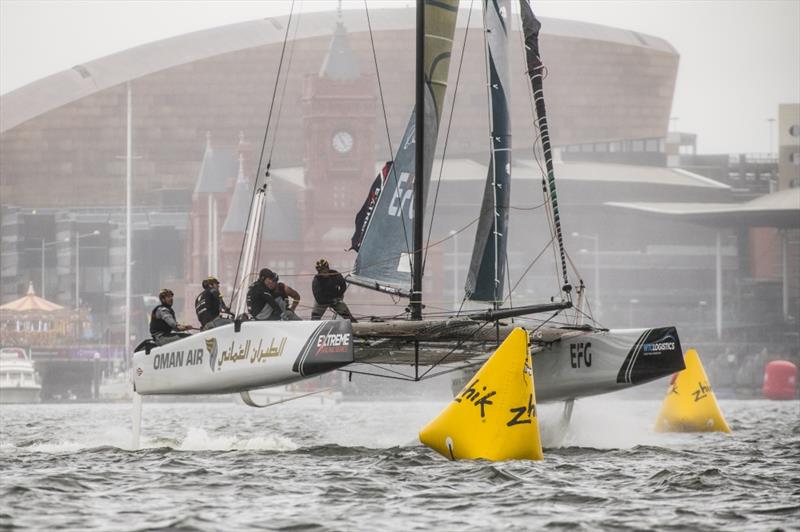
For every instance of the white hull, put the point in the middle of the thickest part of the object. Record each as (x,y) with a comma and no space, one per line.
(586,363)
(599,362)
(260,354)
(18,382)
(20,395)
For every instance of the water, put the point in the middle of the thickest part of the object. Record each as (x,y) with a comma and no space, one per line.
(358,466)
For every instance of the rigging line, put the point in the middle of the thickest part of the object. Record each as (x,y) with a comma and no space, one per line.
(281,101)
(447,134)
(527,208)
(457,346)
(551,225)
(463,300)
(395,257)
(536,258)
(285,83)
(392,169)
(545,322)
(380,367)
(263,147)
(508,280)
(586,299)
(451,370)
(356,372)
(600,325)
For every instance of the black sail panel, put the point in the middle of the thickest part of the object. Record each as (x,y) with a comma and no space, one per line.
(485,280)
(530,28)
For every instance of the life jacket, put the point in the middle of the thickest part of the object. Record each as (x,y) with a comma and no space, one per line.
(157,325)
(207,305)
(258,296)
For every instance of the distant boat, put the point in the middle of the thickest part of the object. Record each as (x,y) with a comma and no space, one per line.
(18,382)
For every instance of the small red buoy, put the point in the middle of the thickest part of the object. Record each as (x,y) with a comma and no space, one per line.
(780,380)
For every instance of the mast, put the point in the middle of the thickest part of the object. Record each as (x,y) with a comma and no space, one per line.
(419,167)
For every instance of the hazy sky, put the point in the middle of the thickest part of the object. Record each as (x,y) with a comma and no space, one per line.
(739,58)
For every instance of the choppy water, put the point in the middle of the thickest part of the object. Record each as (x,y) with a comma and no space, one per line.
(358,466)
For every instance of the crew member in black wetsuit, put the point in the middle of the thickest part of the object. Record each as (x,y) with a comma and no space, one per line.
(329,287)
(210,307)
(282,293)
(164,328)
(261,304)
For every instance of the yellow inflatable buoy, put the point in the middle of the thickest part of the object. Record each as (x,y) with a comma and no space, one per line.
(690,405)
(494,416)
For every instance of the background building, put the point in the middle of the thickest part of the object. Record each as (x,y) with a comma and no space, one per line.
(200,105)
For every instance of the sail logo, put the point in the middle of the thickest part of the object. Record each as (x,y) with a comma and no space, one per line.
(667,343)
(403,195)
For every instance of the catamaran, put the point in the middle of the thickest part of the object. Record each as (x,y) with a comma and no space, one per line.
(570,361)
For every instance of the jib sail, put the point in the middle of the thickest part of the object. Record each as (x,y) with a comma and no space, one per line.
(488,264)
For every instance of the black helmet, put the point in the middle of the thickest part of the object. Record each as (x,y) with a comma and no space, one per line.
(266,273)
(209,280)
(321,264)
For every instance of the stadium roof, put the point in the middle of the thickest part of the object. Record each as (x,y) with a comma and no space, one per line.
(461,169)
(88,78)
(779,209)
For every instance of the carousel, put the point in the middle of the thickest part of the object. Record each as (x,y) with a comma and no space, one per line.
(35,321)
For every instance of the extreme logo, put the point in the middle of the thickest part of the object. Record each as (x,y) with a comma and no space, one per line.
(333,343)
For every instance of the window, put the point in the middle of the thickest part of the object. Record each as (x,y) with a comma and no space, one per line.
(795,130)
(794,157)
(637,146)
(651,145)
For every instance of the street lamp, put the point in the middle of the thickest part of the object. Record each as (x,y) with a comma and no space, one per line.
(596,240)
(78,265)
(770,122)
(44,245)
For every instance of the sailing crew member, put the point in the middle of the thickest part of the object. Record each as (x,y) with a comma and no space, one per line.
(282,293)
(210,306)
(261,304)
(329,288)
(164,328)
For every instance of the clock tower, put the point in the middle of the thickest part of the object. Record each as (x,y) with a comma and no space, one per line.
(339,116)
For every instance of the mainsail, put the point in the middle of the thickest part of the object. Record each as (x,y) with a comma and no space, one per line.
(384,257)
(487,267)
